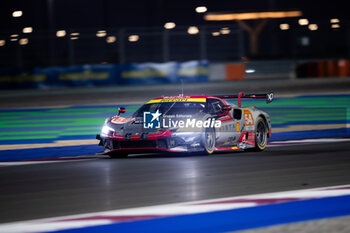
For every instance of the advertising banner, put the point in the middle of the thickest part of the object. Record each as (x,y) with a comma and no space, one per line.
(107,74)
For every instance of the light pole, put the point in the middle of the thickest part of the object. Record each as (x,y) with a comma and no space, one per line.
(254,32)
(51,38)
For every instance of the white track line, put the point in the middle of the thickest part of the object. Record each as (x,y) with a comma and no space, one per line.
(106,217)
(307,141)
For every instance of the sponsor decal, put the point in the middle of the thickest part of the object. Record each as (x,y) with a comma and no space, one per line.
(269,97)
(247,137)
(85,75)
(200,70)
(238,127)
(121,120)
(145,73)
(202,100)
(248,117)
(250,128)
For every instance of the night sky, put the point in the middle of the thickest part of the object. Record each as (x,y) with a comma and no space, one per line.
(120,19)
(70,14)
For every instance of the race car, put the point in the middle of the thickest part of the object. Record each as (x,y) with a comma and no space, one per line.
(188,123)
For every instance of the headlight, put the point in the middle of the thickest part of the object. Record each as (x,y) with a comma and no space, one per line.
(106,130)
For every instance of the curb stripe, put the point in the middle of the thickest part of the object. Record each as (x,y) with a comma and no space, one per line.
(233,220)
(214,207)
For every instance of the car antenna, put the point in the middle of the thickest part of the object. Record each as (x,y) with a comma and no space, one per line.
(182,87)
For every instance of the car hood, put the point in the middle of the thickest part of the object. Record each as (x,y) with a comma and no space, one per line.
(134,125)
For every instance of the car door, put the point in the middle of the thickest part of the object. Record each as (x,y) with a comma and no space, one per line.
(226,134)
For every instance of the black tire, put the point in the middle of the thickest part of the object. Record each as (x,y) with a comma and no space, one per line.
(209,140)
(261,132)
(118,155)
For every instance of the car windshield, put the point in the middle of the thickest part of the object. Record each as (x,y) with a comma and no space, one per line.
(172,108)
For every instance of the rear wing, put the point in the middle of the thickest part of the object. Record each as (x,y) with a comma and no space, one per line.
(268,97)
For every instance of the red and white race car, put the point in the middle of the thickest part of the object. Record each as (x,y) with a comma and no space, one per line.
(187,123)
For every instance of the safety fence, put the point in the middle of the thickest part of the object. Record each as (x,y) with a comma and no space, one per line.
(107,74)
(279,69)
(169,72)
(323,68)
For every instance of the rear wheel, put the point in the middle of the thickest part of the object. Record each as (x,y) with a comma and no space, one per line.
(261,132)
(209,140)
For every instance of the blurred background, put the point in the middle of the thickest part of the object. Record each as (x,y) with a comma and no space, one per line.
(48,43)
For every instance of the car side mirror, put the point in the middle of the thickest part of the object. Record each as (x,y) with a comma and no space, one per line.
(237,114)
(121,110)
(226,108)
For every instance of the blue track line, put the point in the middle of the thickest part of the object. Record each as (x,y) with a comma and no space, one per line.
(71,151)
(233,220)
(48,153)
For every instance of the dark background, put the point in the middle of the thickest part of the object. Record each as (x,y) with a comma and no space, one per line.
(146,19)
(147,13)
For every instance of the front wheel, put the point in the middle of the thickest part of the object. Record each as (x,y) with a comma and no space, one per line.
(209,140)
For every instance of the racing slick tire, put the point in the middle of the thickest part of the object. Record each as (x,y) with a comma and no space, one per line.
(261,132)
(118,155)
(209,140)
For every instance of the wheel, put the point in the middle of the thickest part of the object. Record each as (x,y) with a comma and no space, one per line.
(209,141)
(261,132)
(118,155)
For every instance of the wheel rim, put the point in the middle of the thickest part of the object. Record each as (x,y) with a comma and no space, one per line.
(261,135)
(209,139)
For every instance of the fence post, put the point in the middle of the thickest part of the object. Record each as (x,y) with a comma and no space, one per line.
(71,52)
(121,46)
(19,56)
(203,43)
(347,37)
(165,45)
(51,38)
(241,42)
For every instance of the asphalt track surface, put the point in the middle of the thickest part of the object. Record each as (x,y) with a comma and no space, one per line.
(57,189)
(64,188)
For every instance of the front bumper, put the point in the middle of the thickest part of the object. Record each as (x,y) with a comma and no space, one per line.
(170,144)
